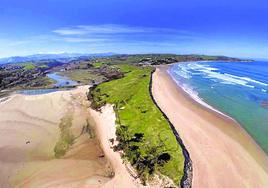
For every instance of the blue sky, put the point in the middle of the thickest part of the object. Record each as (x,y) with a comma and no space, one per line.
(219,27)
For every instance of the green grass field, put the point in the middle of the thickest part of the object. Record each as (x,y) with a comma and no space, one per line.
(28,66)
(97,64)
(81,75)
(144,134)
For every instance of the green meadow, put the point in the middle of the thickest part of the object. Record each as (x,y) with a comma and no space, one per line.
(82,76)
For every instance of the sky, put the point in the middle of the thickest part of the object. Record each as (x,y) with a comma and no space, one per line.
(237,28)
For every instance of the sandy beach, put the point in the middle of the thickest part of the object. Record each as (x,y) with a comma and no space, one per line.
(105,129)
(223,154)
(29,130)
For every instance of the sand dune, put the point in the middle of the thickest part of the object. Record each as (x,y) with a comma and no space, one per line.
(223,154)
(105,122)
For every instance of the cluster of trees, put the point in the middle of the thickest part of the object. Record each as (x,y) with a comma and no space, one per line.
(110,72)
(95,97)
(146,158)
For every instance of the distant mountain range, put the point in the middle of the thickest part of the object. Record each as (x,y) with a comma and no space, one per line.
(39,57)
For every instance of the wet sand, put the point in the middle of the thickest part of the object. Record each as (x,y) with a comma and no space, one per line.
(223,154)
(29,130)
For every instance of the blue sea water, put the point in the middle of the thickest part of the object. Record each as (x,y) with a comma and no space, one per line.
(238,89)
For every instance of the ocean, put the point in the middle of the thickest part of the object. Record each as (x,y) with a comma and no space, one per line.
(237,89)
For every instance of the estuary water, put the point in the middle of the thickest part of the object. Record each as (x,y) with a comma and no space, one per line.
(60,82)
(237,89)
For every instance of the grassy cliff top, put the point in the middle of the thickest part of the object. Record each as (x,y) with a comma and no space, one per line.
(143,133)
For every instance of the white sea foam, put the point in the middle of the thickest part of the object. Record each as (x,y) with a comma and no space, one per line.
(182,73)
(248,80)
(211,73)
(188,70)
(203,67)
(194,95)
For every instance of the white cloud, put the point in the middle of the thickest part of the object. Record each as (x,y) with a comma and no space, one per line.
(22,42)
(112,33)
(107,37)
(112,29)
(70,31)
(88,40)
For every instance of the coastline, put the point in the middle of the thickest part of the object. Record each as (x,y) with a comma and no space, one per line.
(207,107)
(197,99)
(210,136)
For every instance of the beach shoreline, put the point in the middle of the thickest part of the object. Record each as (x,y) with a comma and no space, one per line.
(203,126)
(207,107)
(196,98)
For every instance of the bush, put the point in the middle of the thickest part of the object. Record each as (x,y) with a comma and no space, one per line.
(147,163)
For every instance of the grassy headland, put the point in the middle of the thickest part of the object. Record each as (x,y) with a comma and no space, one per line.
(142,131)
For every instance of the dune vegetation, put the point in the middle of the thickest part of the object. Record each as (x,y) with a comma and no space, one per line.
(142,131)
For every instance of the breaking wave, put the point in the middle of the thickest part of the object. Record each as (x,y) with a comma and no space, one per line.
(187,70)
